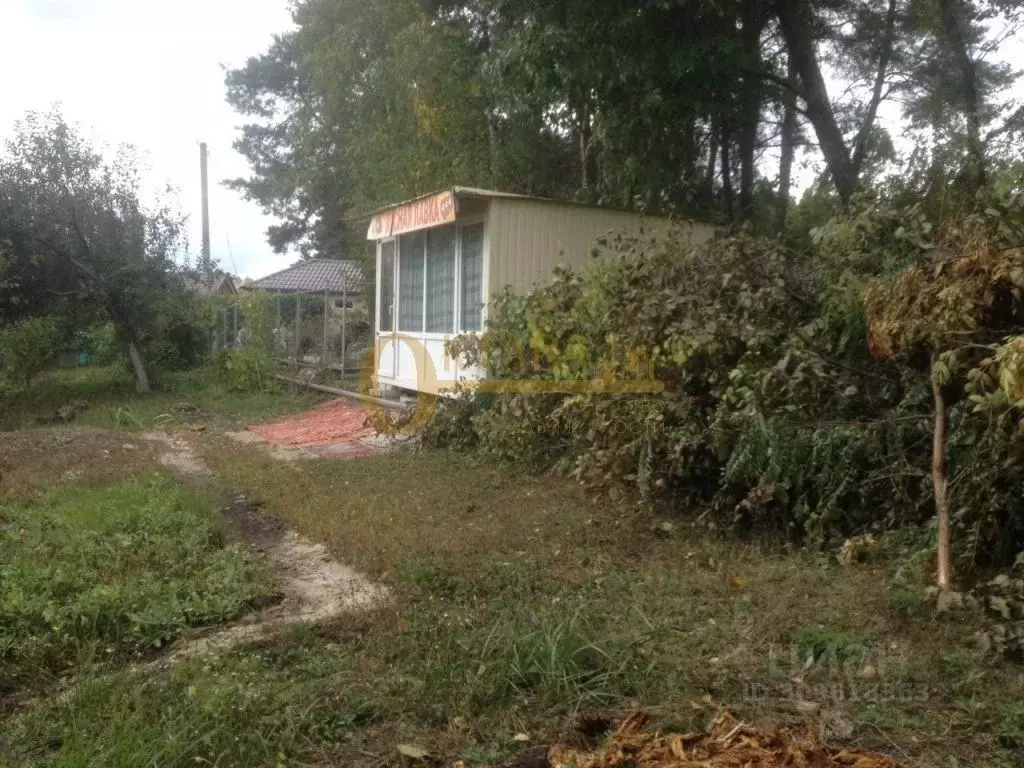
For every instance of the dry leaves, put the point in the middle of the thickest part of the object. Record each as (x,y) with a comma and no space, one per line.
(729,744)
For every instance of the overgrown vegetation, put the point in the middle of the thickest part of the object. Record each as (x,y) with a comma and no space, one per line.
(95,576)
(839,383)
(245,370)
(785,409)
(548,602)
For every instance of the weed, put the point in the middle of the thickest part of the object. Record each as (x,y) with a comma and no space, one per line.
(520,601)
(427,577)
(823,646)
(888,718)
(1011,724)
(97,574)
(559,661)
(239,709)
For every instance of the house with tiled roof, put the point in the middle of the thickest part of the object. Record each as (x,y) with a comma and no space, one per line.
(222,285)
(335,277)
(340,285)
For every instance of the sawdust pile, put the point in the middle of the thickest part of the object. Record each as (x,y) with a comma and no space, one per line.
(729,744)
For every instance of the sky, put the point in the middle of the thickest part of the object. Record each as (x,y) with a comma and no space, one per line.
(148,72)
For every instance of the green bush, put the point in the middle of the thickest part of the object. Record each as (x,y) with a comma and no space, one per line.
(451,423)
(102,345)
(729,330)
(774,415)
(244,370)
(179,337)
(28,347)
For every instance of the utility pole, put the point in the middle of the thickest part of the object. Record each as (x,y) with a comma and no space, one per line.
(207,261)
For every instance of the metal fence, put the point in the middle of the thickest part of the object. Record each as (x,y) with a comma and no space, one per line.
(319,330)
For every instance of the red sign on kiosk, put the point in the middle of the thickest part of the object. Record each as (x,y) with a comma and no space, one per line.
(419,214)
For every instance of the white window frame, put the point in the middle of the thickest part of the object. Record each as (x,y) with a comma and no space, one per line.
(394,284)
(469,221)
(460,224)
(426,265)
(398,286)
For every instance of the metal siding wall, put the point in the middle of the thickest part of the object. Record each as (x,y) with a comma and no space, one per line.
(529,238)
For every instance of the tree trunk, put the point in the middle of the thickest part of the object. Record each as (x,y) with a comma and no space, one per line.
(940,484)
(788,149)
(753,22)
(860,146)
(747,142)
(139,366)
(708,185)
(586,158)
(690,175)
(954,24)
(727,195)
(492,129)
(794,21)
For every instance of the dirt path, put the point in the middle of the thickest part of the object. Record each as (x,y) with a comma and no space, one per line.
(315,588)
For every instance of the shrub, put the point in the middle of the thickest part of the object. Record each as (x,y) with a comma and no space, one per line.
(714,326)
(451,423)
(102,344)
(179,344)
(28,347)
(774,415)
(244,370)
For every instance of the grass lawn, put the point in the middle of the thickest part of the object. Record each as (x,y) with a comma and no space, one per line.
(524,601)
(110,401)
(520,602)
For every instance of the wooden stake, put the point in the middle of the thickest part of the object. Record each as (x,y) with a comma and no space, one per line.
(298,312)
(327,315)
(940,483)
(344,312)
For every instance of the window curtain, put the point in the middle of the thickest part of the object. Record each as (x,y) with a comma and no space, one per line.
(410,283)
(441,280)
(472,277)
(387,286)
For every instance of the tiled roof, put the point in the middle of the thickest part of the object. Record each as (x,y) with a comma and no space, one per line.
(314,275)
(205,287)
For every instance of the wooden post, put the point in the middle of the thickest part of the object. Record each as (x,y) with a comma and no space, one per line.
(940,484)
(235,339)
(298,312)
(204,178)
(344,312)
(327,315)
(278,330)
(224,326)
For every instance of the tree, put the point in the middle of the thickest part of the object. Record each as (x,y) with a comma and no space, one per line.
(27,347)
(805,33)
(363,104)
(89,235)
(787,137)
(662,105)
(945,314)
(955,90)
